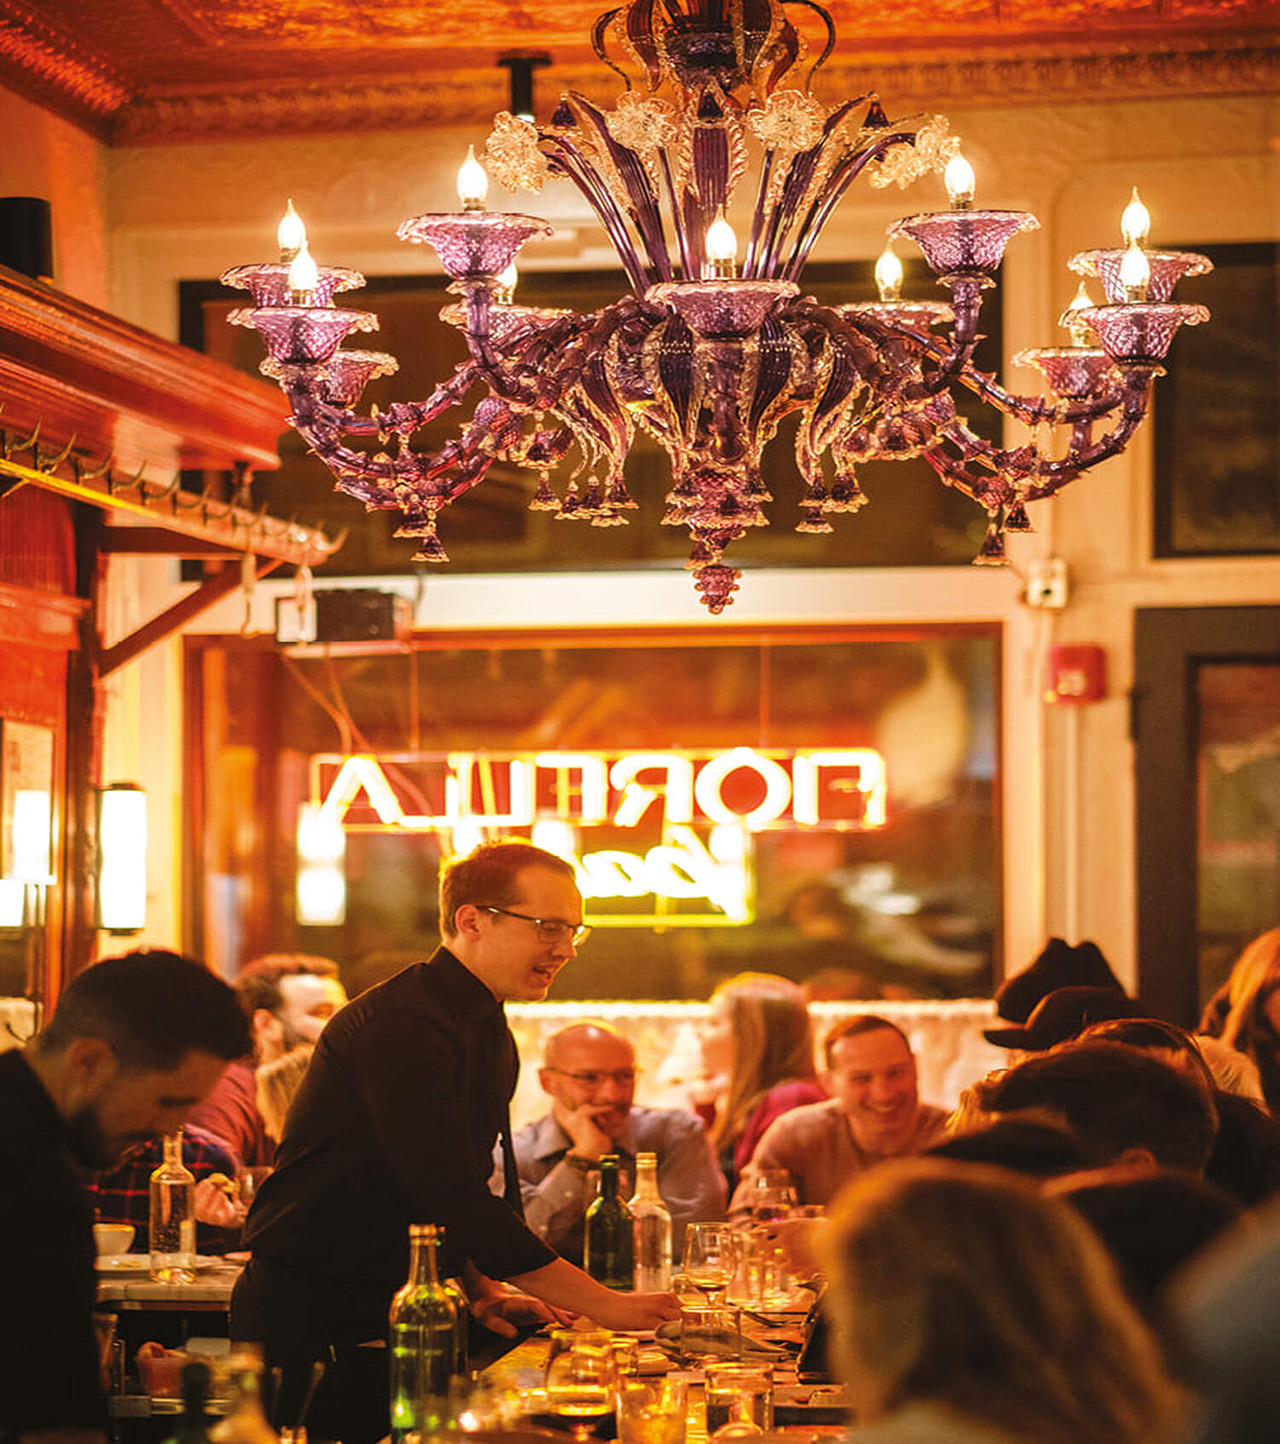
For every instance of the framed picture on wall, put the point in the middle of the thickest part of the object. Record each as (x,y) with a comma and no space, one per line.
(26,796)
(1217,425)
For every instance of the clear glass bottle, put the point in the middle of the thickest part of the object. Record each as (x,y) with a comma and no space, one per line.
(244,1423)
(423,1337)
(172,1239)
(609,1247)
(651,1229)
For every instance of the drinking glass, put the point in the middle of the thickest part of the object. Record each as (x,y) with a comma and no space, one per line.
(739,1394)
(652,1410)
(580,1389)
(708,1261)
(772,1195)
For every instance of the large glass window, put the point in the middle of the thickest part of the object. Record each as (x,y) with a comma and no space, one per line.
(866,763)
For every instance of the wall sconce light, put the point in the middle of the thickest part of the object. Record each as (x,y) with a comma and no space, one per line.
(321,898)
(122,858)
(32,837)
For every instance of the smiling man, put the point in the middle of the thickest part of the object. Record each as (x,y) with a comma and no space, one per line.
(874,1113)
(589,1073)
(395,1124)
(134,1044)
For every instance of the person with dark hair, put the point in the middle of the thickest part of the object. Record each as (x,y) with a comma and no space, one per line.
(288,998)
(134,1043)
(1245,1162)
(1124,1106)
(874,1112)
(1152,1226)
(395,1124)
(1022,1145)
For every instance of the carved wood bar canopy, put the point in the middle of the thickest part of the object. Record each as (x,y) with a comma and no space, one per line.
(101,411)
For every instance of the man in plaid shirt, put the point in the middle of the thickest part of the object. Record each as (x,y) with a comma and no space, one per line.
(123,1194)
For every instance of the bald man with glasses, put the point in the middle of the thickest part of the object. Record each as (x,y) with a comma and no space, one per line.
(589,1073)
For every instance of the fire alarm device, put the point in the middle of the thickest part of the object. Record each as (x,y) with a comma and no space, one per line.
(1076,675)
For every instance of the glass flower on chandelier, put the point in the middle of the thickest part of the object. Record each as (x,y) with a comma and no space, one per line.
(714,343)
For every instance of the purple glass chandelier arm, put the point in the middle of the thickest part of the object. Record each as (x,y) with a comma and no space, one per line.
(839,181)
(677,219)
(864,342)
(799,176)
(567,160)
(645,211)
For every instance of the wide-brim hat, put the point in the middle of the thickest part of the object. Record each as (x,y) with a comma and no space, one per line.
(1060,965)
(1062,1015)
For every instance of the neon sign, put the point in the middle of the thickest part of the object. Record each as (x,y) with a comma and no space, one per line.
(696,811)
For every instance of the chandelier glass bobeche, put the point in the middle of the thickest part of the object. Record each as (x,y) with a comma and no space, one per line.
(704,354)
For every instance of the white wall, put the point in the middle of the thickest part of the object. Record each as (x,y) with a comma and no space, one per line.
(1209,170)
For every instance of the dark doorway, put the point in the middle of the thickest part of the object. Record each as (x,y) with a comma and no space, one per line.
(1206,721)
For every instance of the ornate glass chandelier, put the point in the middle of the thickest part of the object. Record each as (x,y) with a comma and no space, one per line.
(705,354)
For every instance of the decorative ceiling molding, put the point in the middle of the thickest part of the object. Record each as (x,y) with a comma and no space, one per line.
(1012,76)
(139,72)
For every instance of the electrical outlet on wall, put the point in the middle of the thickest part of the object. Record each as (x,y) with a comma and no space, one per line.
(1046,583)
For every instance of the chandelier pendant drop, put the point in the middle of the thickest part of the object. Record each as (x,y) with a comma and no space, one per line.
(707,353)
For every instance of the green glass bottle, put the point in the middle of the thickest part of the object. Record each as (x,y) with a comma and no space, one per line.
(609,1247)
(423,1338)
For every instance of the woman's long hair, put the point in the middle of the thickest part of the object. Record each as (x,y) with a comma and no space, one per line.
(962,1286)
(1257,966)
(772,1043)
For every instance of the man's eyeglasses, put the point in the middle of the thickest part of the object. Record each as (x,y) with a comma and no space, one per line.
(550,930)
(593,1077)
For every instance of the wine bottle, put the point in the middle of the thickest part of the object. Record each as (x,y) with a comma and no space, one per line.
(609,1246)
(651,1228)
(173,1217)
(423,1326)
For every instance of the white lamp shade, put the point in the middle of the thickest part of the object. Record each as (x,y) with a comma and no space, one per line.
(122,853)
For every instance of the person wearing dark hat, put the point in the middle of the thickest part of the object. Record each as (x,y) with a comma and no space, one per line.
(1060,965)
(1063,1014)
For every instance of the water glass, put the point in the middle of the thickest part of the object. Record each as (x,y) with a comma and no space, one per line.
(652,1410)
(739,1393)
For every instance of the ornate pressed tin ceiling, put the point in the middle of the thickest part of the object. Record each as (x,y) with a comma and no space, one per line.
(150,71)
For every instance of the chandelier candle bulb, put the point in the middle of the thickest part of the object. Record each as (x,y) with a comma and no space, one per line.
(1135,222)
(889,276)
(1135,274)
(473,182)
(291,234)
(304,276)
(722,250)
(958,179)
(504,286)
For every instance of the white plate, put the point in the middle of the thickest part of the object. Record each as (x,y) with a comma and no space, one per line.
(140,1262)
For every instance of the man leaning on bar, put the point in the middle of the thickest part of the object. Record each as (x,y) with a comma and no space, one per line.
(395,1124)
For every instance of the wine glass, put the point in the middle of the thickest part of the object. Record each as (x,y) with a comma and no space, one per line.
(580,1388)
(772,1195)
(708,1258)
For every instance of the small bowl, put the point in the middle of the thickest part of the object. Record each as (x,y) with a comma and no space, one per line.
(112,1238)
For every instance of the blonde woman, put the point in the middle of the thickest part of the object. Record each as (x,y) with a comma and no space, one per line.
(969,1309)
(276,1083)
(1245,1012)
(758,1049)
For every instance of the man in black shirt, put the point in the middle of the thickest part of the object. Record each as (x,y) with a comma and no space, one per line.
(134,1044)
(395,1124)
